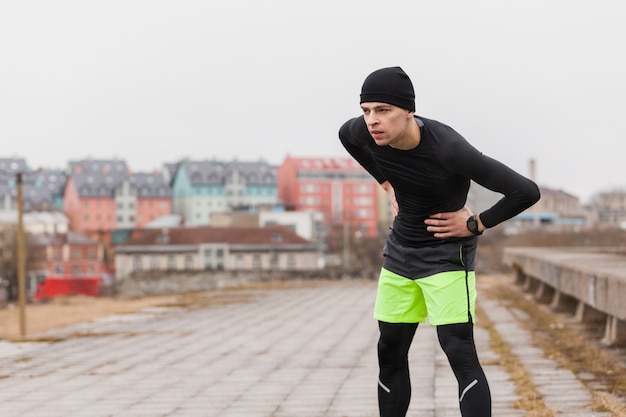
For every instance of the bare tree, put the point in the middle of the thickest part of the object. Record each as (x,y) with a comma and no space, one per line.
(8,258)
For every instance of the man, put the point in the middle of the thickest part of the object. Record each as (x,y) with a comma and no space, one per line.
(428,269)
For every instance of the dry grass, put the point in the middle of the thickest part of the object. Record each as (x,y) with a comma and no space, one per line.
(569,345)
(65,311)
(530,398)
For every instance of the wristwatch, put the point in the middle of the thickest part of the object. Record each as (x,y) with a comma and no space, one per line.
(472,225)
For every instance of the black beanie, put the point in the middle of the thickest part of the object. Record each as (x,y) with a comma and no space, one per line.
(389,85)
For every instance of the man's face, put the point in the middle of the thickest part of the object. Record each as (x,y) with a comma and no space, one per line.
(386,123)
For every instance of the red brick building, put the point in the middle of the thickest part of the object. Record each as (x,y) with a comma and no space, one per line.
(68,254)
(338,187)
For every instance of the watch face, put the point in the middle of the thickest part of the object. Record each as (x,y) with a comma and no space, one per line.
(472,225)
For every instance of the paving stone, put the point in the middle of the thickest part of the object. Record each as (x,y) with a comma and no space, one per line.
(299,352)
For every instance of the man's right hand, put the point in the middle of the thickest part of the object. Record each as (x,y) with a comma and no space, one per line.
(392,197)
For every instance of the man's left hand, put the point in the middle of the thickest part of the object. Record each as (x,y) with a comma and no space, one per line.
(452,224)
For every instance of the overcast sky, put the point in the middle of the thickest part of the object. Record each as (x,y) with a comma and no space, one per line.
(153,81)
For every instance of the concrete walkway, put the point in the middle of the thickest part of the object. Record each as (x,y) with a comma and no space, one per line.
(306,351)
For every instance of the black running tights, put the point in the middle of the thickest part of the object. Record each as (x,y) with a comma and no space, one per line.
(457,341)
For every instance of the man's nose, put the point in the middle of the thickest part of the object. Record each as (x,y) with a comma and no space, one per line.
(371,119)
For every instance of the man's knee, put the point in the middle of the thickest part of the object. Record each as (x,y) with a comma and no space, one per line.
(394,342)
(457,341)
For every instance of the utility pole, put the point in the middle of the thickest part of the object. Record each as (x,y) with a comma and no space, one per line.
(346,245)
(21,266)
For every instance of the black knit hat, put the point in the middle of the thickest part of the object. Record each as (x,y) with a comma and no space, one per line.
(389,85)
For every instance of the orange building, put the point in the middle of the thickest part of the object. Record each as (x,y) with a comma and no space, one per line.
(337,187)
(102,195)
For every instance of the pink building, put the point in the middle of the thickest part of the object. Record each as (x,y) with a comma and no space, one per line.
(102,195)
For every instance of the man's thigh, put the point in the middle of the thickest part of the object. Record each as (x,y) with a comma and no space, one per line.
(399,299)
(450,297)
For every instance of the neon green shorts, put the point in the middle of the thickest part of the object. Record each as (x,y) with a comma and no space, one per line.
(443,298)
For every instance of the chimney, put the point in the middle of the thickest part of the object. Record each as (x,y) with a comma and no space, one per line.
(532,167)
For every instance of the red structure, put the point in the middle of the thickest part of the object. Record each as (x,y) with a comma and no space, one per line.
(67,264)
(70,255)
(53,286)
(338,187)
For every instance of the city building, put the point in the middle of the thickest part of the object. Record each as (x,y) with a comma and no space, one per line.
(37,222)
(610,208)
(67,254)
(556,211)
(150,196)
(11,166)
(339,188)
(103,195)
(306,224)
(216,249)
(42,190)
(201,188)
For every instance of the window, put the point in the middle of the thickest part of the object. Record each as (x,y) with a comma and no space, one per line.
(208,259)
(363,213)
(171,262)
(273,260)
(309,188)
(76,253)
(291,262)
(188,262)
(239,262)
(309,201)
(137,263)
(154,262)
(256,262)
(219,259)
(363,201)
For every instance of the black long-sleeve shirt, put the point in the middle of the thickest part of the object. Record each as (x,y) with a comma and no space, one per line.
(435,177)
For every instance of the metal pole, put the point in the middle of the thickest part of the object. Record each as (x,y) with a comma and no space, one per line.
(21,278)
